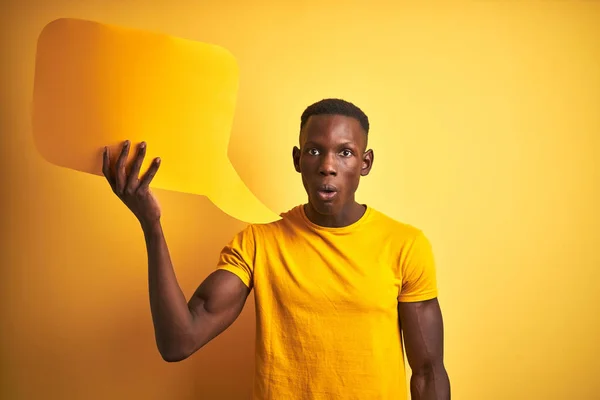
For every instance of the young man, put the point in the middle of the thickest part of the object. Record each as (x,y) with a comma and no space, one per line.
(339,286)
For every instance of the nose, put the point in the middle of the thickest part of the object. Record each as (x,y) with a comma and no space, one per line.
(327,166)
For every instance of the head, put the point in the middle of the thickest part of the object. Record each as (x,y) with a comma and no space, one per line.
(332,155)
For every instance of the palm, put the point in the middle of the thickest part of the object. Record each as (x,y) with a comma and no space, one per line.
(133,190)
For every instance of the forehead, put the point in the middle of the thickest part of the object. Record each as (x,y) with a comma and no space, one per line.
(331,129)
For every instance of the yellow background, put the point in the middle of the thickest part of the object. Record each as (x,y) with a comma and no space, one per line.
(486,132)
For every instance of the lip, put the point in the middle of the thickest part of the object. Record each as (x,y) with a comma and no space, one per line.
(326,192)
(327,188)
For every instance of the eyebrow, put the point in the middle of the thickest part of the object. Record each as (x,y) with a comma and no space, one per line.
(351,144)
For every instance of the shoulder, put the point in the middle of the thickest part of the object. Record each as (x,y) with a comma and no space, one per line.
(288,224)
(393,227)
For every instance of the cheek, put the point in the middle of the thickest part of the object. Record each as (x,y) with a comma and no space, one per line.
(307,164)
(305,169)
(352,174)
(352,167)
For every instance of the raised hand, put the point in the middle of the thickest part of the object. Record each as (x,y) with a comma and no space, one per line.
(129,187)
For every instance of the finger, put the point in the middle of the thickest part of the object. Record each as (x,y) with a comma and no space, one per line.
(132,178)
(106,168)
(149,175)
(120,168)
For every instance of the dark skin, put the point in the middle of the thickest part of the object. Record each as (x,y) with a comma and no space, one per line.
(180,327)
(332,152)
(423,330)
(331,159)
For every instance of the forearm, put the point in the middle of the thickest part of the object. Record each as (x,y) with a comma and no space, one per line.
(430,384)
(170,313)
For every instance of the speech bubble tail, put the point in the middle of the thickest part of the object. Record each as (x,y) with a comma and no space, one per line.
(229,193)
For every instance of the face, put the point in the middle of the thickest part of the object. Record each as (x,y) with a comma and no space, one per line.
(331,159)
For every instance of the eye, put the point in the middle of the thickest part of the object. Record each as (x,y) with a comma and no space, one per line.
(346,153)
(313,152)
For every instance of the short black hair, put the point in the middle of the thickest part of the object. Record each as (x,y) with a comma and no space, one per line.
(335,107)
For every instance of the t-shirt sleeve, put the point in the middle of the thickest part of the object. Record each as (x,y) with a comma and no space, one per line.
(418,271)
(238,256)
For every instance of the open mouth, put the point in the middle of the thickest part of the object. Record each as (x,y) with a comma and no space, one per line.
(326,192)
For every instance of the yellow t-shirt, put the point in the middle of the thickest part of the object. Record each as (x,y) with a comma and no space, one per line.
(326,304)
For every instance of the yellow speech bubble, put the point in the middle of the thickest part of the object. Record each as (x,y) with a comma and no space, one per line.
(98,84)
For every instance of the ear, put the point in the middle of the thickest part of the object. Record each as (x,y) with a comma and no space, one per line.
(296,158)
(367,162)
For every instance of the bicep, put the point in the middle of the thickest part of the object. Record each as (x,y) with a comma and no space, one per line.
(216,304)
(423,331)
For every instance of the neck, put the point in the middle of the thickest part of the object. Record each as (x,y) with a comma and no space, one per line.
(349,215)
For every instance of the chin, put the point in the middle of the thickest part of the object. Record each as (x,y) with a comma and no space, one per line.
(324,208)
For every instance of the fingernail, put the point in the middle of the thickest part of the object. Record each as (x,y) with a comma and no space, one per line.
(142,145)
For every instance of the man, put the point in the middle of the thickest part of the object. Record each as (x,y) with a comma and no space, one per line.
(338,285)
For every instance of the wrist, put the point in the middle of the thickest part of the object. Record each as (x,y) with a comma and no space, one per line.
(151,226)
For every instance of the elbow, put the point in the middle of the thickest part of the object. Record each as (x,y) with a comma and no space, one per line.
(173,357)
(175,351)
(429,368)
(430,381)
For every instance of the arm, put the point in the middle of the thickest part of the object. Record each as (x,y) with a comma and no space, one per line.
(182,328)
(423,332)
